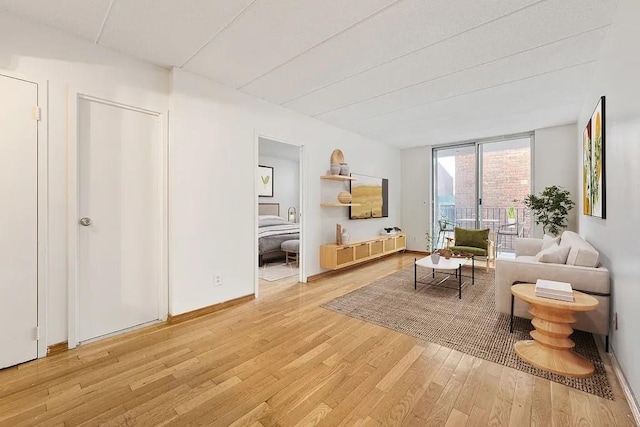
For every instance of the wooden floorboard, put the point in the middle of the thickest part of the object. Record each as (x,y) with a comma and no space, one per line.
(282,360)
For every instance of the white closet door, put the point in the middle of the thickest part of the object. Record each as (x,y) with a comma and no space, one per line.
(18,221)
(119,193)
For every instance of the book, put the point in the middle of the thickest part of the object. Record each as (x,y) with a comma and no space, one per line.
(555,290)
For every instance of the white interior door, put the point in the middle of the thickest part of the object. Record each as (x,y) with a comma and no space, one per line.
(119,183)
(18,221)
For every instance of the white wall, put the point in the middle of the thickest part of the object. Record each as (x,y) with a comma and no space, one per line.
(212,161)
(38,52)
(555,163)
(616,237)
(213,157)
(286,183)
(416,196)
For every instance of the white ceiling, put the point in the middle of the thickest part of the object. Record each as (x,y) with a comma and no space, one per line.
(403,72)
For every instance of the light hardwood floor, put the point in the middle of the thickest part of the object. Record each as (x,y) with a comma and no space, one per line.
(283,360)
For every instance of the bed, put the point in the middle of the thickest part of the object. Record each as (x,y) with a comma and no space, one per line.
(272,231)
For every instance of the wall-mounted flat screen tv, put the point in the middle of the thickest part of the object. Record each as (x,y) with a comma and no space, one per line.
(372,194)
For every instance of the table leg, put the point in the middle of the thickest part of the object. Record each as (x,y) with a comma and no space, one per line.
(415,274)
(473,269)
(459,281)
(551,347)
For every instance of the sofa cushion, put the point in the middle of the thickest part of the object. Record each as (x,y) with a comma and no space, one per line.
(469,249)
(548,240)
(471,237)
(581,253)
(554,254)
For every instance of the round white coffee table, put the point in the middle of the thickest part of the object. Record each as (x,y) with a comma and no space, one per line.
(444,265)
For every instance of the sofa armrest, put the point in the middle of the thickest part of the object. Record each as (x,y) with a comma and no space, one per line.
(528,246)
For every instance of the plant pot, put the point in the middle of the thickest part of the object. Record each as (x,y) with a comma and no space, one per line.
(344,169)
(511,220)
(435,257)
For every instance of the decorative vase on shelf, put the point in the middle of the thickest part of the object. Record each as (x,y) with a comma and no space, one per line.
(344,169)
(344,197)
(335,168)
(435,257)
(346,237)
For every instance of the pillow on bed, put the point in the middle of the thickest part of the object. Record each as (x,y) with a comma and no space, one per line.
(268,220)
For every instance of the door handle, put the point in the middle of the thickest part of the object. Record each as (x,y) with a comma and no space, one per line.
(85,221)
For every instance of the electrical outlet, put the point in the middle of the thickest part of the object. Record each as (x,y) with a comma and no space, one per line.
(615,321)
(217,280)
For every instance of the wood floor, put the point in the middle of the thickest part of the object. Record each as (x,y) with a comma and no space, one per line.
(283,360)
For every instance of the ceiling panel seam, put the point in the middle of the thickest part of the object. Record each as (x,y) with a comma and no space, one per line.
(104,22)
(463,69)
(344,30)
(234,19)
(403,55)
(375,116)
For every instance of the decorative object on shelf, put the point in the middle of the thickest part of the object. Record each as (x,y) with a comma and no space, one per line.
(397,229)
(291,214)
(335,168)
(388,231)
(593,163)
(550,208)
(265,181)
(344,169)
(346,237)
(344,197)
(338,234)
(435,257)
(337,157)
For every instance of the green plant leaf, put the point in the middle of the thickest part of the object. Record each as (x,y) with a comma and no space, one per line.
(550,208)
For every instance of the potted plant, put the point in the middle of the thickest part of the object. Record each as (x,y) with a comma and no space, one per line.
(511,215)
(550,208)
(435,256)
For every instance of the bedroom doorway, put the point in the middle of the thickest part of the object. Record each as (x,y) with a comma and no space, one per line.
(279,228)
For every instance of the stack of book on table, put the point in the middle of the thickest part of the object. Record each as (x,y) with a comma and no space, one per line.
(555,290)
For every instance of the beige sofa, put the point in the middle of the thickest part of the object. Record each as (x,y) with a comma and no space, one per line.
(582,269)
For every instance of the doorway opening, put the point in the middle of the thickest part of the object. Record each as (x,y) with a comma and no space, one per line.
(280,254)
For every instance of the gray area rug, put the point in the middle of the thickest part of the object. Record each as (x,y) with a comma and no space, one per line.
(470,325)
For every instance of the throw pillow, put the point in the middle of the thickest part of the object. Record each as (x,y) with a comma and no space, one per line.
(471,237)
(548,240)
(554,254)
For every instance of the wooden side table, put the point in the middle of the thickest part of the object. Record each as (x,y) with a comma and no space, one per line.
(551,347)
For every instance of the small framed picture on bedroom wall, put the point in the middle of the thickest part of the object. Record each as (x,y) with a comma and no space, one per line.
(265,181)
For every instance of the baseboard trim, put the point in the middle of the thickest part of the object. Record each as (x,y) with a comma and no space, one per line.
(411,251)
(58,348)
(628,394)
(179,318)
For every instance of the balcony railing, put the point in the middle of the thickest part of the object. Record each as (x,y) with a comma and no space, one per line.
(492,217)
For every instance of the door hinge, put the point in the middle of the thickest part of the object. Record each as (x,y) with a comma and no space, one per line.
(37,113)
(37,333)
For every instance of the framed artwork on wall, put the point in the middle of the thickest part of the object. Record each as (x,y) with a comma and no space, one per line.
(593,165)
(586,169)
(265,181)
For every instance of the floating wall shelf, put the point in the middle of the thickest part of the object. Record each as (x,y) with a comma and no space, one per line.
(338,177)
(337,205)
